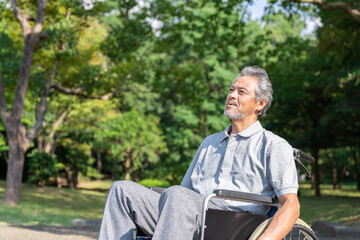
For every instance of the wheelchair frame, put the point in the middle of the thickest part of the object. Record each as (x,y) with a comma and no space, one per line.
(258,199)
(237,196)
(255,198)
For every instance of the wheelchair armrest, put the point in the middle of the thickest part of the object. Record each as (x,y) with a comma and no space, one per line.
(237,196)
(245,197)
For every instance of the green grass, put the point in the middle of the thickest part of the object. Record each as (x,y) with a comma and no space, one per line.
(53,206)
(338,206)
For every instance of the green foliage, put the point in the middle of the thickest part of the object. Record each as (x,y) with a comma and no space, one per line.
(132,138)
(3,144)
(9,53)
(77,157)
(149,182)
(63,37)
(128,30)
(41,167)
(171,63)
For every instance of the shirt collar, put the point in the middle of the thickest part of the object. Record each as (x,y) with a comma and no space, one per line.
(248,132)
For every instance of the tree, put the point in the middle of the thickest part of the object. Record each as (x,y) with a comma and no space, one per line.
(131,139)
(199,50)
(315,83)
(350,8)
(18,137)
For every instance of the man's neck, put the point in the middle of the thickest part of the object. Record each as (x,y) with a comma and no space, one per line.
(242,124)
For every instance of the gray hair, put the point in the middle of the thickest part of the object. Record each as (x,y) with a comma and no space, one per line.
(263,90)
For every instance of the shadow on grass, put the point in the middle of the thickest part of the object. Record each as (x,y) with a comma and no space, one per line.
(337,209)
(80,231)
(100,190)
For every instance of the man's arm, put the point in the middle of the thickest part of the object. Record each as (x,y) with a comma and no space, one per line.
(186,181)
(284,219)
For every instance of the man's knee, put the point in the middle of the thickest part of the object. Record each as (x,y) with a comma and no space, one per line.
(124,186)
(182,194)
(122,183)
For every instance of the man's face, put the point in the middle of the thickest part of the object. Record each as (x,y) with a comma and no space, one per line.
(241,99)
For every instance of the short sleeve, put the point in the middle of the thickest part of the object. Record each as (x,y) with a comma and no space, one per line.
(186,182)
(281,173)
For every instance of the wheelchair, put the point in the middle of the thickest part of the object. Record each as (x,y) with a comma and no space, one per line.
(228,225)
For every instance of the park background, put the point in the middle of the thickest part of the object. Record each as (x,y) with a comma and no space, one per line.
(96,91)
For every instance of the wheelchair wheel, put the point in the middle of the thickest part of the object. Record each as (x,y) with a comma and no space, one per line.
(299,231)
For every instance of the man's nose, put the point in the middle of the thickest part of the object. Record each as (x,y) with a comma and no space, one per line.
(232,95)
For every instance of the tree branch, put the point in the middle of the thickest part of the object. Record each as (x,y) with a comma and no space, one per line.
(43,105)
(40,13)
(77,92)
(21,17)
(354,13)
(49,144)
(31,38)
(69,91)
(117,89)
(3,107)
(4,28)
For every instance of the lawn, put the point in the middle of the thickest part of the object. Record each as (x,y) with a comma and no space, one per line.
(53,206)
(338,206)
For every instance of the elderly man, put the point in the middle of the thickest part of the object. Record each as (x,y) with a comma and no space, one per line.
(244,157)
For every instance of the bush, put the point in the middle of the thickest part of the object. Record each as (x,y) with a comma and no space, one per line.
(149,182)
(41,167)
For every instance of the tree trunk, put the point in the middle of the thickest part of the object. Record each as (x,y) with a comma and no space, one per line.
(334,177)
(58,182)
(127,166)
(15,167)
(69,176)
(343,173)
(18,139)
(75,179)
(356,167)
(16,132)
(316,172)
(98,162)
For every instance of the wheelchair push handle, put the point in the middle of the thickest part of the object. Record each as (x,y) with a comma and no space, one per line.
(298,154)
(302,155)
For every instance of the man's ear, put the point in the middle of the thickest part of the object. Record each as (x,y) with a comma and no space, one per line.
(260,105)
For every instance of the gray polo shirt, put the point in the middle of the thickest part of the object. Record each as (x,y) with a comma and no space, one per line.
(254,160)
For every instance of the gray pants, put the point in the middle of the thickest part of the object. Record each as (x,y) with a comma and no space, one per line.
(175,214)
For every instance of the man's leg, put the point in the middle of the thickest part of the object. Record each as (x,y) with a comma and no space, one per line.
(128,205)
(180,214)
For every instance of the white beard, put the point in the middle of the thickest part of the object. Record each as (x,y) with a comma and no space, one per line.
(235,116)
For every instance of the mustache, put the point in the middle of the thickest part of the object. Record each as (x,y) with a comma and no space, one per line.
(232,102)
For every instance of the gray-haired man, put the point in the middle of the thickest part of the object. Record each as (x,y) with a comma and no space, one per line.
(244,157)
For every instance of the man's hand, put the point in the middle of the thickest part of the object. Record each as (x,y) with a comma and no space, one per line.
(284,219)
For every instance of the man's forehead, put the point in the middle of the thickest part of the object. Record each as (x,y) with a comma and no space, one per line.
(245,82)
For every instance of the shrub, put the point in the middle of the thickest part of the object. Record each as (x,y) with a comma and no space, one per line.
(41,167)
(149,182)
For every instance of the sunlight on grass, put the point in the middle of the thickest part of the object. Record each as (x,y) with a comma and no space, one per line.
(99,185)
(327,190)
(53,206)
(334,205)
